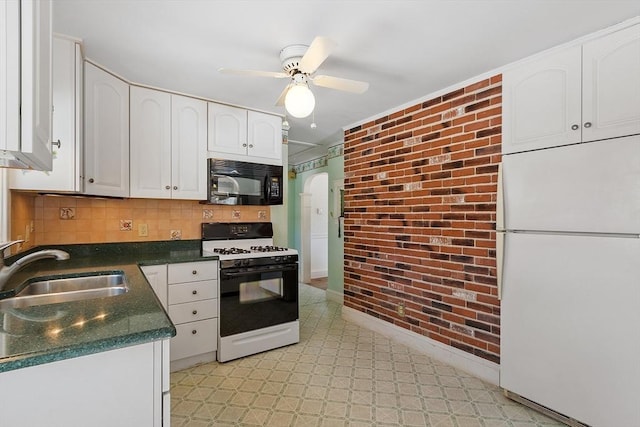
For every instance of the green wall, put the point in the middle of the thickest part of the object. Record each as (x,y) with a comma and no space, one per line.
(336,244)
(334,167)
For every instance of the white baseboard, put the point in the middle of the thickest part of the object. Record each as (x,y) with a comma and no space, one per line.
(474,365)
(335,296)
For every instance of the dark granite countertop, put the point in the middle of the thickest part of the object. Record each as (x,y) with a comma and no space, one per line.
(41,334)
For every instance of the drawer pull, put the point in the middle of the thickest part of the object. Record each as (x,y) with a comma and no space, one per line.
(194,292)
(194,332)
(194,312)
(194,272)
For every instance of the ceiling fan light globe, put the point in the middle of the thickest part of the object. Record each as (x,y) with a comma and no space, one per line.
(299,101)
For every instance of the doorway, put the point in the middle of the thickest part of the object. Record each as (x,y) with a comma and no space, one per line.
(314,232)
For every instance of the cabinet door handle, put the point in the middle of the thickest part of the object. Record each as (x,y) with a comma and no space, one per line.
(250,145)
(194,312)
(167,187)
(56,143)
(194,272)
(587,124)
(194,332)
(175,187)
(91,180)
(194,292)
(244,145)
(575,127)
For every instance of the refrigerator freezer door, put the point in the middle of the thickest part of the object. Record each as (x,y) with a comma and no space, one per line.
(589,187)
(570,338)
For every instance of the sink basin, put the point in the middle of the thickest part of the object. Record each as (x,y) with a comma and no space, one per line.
(52,290)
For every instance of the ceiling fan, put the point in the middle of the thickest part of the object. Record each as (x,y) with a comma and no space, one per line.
(299,63)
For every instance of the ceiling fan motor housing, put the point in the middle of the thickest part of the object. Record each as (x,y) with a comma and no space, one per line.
(290,57)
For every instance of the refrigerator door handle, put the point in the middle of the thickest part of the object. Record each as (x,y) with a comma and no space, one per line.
(500,236)
(500,201)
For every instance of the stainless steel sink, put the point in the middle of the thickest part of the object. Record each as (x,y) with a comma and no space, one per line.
(52,290)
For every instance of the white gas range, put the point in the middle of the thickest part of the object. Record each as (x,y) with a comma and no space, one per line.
(258,282)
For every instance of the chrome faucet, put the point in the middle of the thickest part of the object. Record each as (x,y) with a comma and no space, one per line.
(6,271)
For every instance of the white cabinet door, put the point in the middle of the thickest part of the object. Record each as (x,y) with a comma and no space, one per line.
(188,148)
(264,136)
(66,172)
(119,387)
(10,77)
(106,137)
(25,83)
(36,17)
(611,89)
(157,277)
(227,129)
(541,102)
(150,143)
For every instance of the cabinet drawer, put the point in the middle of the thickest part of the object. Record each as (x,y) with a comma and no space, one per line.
(192,291)
(194,338)
(193,271)
(193,311)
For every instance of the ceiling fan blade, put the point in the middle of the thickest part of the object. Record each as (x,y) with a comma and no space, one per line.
(346,85)
(280,101)
(275,74)
(319,50)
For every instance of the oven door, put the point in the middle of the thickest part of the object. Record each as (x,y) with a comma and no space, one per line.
(252,298)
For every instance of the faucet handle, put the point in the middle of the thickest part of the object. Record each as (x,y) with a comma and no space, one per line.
(6,245)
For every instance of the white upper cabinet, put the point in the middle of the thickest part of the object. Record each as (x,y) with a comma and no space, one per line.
(25,62)
(264,135)
(150,143)
(227,129)
(106,133)
(611,86)
(168,145)
(582,93)
(541,103)
(238,134)
(66,172)
(188,148)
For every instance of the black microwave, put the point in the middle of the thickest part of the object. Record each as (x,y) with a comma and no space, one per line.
(242,183)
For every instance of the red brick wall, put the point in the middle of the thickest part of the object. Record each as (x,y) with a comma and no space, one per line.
(420,194)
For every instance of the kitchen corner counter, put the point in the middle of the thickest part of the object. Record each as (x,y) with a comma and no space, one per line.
(47,333)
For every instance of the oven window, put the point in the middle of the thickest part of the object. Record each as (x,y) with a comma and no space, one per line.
(261,290)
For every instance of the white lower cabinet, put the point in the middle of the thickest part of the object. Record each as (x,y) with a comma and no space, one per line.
(157,277)
(191,292)
(123,387)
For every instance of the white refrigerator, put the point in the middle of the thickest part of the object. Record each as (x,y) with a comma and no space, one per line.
(568,240)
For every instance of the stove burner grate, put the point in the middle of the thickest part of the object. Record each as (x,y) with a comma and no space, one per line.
(269,248)
(231,251)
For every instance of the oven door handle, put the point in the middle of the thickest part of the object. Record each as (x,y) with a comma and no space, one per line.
(247,271)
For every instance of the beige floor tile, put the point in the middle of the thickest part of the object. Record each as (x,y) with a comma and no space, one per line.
(339,375)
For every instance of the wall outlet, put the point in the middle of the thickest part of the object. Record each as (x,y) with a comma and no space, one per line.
(401,309)
(143,230)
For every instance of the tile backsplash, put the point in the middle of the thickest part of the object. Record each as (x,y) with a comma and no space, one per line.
(69,219)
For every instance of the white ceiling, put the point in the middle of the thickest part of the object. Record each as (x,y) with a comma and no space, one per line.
(405,49)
